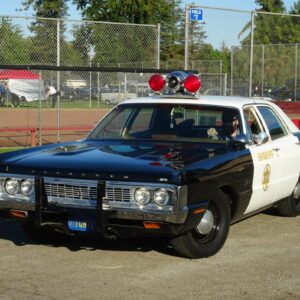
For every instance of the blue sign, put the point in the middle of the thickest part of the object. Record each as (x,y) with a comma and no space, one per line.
(196,14)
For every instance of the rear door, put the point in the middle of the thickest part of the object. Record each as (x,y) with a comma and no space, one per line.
(287,149)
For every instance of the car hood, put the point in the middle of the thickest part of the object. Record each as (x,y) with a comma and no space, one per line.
(116,160)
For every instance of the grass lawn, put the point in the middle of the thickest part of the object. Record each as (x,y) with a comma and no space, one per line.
(64,103)
(2,150)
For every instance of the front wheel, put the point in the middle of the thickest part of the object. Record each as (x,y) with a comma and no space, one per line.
(210,234)
(290,206)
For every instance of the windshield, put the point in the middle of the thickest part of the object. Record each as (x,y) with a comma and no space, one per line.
(167,122)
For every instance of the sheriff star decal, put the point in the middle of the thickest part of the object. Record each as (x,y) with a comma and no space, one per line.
(266,177)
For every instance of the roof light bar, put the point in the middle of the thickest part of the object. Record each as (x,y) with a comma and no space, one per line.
(176,82)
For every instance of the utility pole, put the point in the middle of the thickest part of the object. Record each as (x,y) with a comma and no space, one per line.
(186,38)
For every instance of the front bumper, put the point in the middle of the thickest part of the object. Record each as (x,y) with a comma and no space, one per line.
(95,198)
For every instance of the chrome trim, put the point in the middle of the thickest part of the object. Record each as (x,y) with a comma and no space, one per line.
(119,198)
(71,192)
(19,199)
(115,189)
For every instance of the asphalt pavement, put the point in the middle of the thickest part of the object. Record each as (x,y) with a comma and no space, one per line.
(260,260)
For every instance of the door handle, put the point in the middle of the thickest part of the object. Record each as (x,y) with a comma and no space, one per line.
(276,149)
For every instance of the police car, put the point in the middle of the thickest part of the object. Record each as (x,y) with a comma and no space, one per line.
(176,164)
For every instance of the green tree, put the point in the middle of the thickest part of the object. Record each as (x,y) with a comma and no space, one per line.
(269,29)
(14,48)
(276,6)
(83,41)
(166,12)
(295,8)
(47,8)
(44,32)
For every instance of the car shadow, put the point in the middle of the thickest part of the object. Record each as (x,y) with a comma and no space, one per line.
(12,231)
(273,211)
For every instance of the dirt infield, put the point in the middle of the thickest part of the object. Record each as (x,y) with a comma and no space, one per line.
(24,119)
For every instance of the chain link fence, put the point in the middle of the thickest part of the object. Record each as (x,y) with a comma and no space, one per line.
(33,112)
(264,64)
(275,73)
(42,41)
(26,40)
(43,106)
(264,50)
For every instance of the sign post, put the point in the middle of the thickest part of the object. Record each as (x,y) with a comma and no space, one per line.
(191,14)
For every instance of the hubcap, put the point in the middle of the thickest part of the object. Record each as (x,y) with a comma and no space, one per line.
(206,224)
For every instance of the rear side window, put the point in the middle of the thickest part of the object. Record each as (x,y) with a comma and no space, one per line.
(274,124)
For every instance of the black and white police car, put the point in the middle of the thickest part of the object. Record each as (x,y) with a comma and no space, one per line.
(177,165)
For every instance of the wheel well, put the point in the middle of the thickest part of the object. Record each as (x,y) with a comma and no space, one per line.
(232,197)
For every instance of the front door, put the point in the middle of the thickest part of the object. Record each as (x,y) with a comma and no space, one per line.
(266,176)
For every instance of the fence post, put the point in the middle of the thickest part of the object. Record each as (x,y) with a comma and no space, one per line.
(98,87)
(40,111)
(251,54)
(90,93)
(296,71)
(58,80)
(262,69)
(186,39)
(231,71)
(158,46)
(225,84)
(125,86)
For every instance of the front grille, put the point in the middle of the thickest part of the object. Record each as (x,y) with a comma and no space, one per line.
(83,193)
(71,191)
(118,194)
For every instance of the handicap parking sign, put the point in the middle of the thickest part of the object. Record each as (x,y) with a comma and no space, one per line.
(196,14)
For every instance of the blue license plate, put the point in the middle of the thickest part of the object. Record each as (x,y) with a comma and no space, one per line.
(82,225)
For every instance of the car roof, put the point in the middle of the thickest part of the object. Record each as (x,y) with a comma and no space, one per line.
(229,101)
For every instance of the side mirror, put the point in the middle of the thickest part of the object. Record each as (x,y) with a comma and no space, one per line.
(261,138)
(241,140)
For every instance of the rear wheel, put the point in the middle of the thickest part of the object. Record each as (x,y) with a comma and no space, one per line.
(210,234)
(290,206)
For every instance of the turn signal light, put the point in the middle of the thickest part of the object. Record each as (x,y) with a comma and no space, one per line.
(151,225)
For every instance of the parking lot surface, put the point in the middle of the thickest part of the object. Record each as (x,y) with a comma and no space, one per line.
(260,260)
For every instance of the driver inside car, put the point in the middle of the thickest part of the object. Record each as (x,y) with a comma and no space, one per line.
(230,128)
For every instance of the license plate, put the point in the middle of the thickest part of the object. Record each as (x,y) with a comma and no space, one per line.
(82,225)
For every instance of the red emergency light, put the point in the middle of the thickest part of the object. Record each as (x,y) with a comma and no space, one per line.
(157,82)
(192,83)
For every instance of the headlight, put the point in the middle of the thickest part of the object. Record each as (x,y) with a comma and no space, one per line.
(26,187)
(161,197)
(142,196)
(11,186)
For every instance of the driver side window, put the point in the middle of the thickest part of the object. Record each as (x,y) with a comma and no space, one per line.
(253,123)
